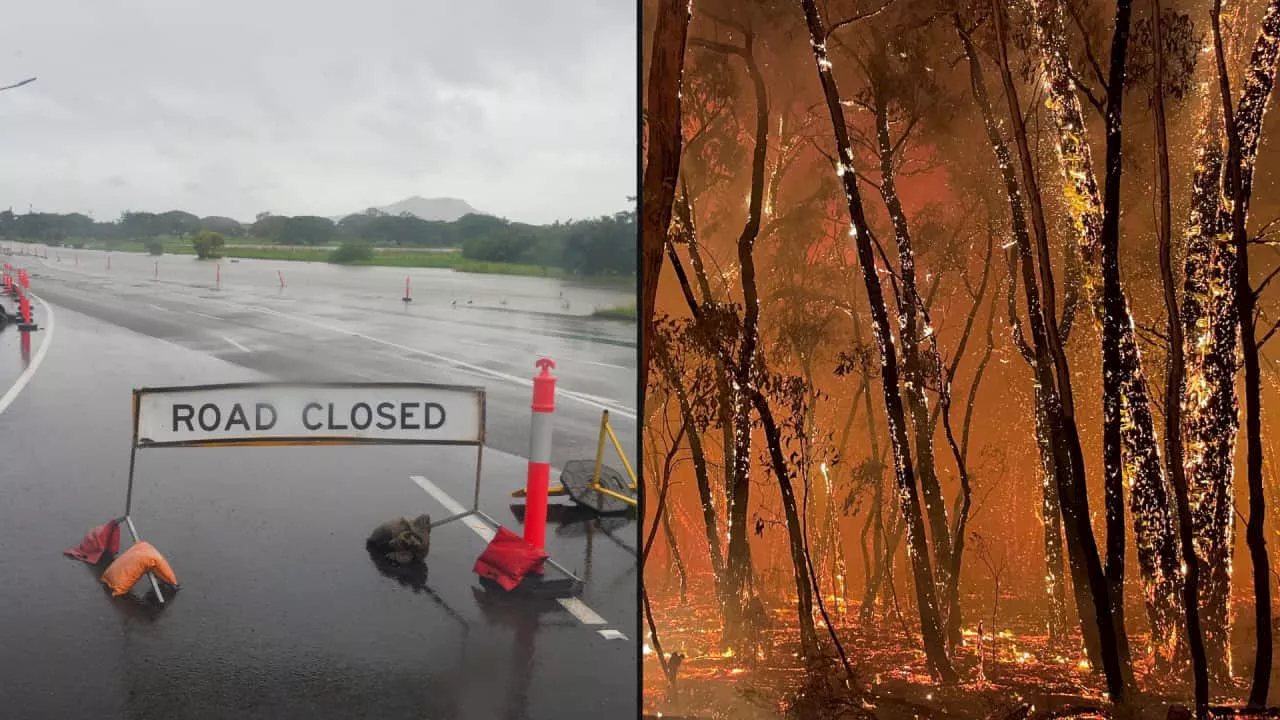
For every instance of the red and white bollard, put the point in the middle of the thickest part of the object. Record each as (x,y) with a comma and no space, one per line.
(156,276)
(281,276)
(217,277)
(24,278)
(544,406)
(24,308)
(407,297)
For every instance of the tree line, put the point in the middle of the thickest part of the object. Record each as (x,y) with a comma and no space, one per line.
(597,246)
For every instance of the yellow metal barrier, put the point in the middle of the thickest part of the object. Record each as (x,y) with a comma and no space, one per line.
(606,432)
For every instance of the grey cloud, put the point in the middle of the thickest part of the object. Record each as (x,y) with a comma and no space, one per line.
(525,109)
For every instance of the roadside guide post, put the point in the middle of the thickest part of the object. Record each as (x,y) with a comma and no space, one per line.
(539,478)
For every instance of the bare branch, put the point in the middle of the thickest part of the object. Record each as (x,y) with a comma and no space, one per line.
(1263,286)
(1088,47)
(860,16)
(1274,326)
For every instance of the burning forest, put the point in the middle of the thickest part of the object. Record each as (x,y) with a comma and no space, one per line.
(957,358)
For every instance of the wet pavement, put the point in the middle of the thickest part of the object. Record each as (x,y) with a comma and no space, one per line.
(282,612)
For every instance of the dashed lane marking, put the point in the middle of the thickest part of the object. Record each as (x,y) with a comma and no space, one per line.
(240,347)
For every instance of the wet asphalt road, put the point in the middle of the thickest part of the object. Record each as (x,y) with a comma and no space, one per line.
(282,612)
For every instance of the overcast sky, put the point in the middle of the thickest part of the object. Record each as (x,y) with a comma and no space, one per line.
(525,109)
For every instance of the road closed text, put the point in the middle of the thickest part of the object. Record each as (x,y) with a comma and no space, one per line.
(315,416)
(299,414)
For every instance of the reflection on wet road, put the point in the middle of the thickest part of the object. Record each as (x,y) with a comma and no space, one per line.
(282,611)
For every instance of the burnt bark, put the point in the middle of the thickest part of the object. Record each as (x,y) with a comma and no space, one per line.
(930,620)
(1243,131)
(910,308)
(662,166)
(1050,509)
(1173,386)
(1211,412)
(1115,316)
(1150,506)
(744,366)
(1092,597)
(702,478)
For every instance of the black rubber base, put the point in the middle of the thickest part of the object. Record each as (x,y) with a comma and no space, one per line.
(534,586)
(575,476)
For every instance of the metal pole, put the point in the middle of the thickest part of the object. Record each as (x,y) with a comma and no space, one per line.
(475,501)
(128,500)
(154,585)
(595,475)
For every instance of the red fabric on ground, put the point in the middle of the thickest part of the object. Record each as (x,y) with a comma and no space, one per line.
(508,559)
(102,539)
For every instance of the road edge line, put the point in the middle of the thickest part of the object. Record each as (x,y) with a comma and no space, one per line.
(30,371)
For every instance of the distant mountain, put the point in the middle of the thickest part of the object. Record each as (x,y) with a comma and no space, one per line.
(447,209)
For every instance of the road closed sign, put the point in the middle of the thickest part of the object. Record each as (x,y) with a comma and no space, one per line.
(299,414)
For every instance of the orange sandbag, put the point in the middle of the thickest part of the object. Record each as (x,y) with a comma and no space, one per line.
(133,564)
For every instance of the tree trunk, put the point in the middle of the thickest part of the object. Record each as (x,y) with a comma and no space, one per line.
(930,620)
(1211,416)
(909,312)
(710,522)
(1156,539)
(804,603)
(1092,594)
(744,367)
(662,166)
(1050,510)
(960,451)
(1173,386)
(1243,132)
(1115,316)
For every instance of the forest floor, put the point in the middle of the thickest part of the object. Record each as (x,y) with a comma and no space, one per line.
(1019,676)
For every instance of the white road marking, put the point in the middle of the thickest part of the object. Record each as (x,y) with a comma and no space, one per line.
(157,307)
(481,528)
(579,609)
(233,342)
(26,375)
(204,315)
(611,634)
(576,607)
(585,399)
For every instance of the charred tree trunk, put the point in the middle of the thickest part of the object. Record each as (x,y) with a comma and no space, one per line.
(1243,130)
(1173,386)
(710,522)
(1139,462)
(960,451)
(1092,597)
(909,331)
(1115,316)
(662,166)
(795,535)
(744,366)
(1050,509)
(1211,413)
(723,364)
(930,620)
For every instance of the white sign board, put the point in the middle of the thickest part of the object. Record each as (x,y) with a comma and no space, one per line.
(299,414)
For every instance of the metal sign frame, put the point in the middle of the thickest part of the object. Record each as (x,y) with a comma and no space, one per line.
(479,443)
